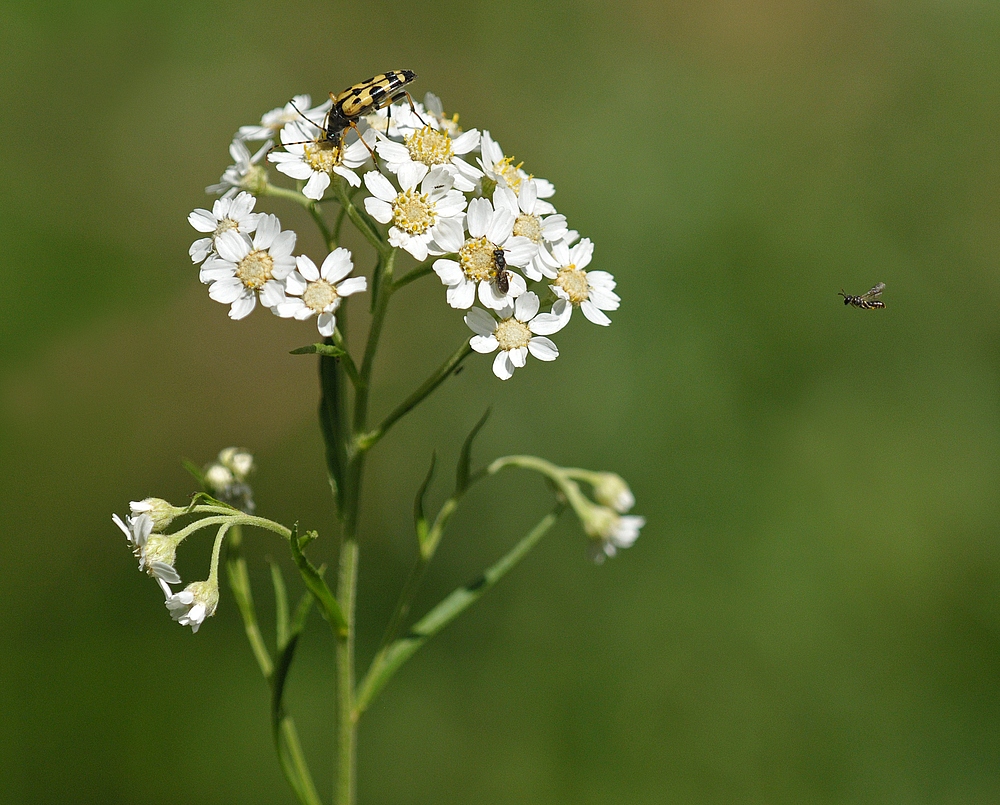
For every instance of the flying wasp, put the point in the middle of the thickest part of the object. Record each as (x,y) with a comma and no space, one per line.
(867,301)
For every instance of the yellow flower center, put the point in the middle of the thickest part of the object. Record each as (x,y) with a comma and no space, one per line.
(528,226)
(573,280)
(323,156)
(413,213)
(478,260)
(510,172)
(255,269)
(320,295)
(429,147)
(225,225)
(512,334)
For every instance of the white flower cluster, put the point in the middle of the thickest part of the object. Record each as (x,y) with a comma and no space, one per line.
(446,195)
(226,479)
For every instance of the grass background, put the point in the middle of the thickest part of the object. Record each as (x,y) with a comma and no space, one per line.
(811,613)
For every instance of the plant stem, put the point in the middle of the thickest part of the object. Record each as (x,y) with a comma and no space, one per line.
(389,659)
(421,270)
(347,734)
(345,785)
(367,440)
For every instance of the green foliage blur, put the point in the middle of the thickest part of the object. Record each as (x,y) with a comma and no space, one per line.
(811,613)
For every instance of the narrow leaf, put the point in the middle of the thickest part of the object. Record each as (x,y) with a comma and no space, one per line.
(280,606)
(195,471)
(314,583)
(331,420)
(465,458)
(419,520)
(391,657)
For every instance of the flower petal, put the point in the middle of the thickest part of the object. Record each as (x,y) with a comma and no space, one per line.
(502,367)
(543,349)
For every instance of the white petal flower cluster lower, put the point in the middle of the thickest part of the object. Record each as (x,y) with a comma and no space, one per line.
(453,199)
(319,291)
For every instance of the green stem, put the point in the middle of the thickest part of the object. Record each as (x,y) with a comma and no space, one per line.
(294,765)
(557,475)
(239,583)
(290,756)
(374,334)
(367,440)
(294,196)
(328,237)
(347,731)
(346,359)
(360,219)
(412,585)
(421,270)
(389,659)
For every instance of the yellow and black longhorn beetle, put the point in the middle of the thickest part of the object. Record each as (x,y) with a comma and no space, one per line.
(362,99)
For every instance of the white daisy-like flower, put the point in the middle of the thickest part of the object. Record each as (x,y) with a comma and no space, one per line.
(425,145)
(235,213)
(245,268)
(434,108)
(520,330)
(609,531)
(591,291)
(155,552)
(502,170)
(244,174)
(541,229)
(484,259)
(194,603)
(272,122)
(318,291)
(420,218)
(309,157)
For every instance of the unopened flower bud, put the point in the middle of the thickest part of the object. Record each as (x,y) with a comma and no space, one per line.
(218,478)
(160,512)
(609,530)
(611,490)
(238,461)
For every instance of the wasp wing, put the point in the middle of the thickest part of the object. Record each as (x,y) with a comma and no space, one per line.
(875,292)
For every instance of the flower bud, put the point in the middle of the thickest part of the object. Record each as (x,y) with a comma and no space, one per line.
(608,530)
(160,512)
(218,478)
(238,461)
(611,490)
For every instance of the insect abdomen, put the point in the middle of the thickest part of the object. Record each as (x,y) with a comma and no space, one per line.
(376,92)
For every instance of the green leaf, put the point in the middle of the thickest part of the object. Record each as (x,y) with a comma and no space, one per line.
(313,580)
(419,520)
(465,458)
(391,657)
(195,471)
(286,653)
(326,350)
(332,424)
(280,606)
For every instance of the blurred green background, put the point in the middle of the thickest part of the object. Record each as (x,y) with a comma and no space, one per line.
(811,613)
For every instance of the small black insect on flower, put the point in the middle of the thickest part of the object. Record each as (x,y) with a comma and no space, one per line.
(503,281)
(867,301)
